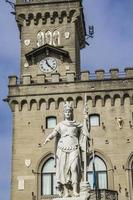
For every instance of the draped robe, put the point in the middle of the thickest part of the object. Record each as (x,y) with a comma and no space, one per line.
(68,151)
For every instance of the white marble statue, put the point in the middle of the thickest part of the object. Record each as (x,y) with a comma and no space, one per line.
(71,139)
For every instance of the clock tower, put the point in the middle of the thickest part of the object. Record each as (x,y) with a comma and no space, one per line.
(52,33)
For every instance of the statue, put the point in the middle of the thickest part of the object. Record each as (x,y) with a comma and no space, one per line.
(70,144)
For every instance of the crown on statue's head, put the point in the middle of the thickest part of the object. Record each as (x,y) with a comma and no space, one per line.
(68,106)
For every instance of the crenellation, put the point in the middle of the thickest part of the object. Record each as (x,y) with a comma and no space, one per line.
(85,75)
(26,2)
(55,77)
(100,74)
(26,79)
(70,76)
(41,78)
(129,72)
(13,80)
(114,73)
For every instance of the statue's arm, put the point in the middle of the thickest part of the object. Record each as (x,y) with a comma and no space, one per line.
(52,135)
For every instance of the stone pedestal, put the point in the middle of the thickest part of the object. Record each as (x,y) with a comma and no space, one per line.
(83,195)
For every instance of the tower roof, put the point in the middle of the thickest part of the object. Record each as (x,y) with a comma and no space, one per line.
(46,49)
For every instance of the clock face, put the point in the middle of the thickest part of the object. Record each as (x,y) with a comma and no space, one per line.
(48,64)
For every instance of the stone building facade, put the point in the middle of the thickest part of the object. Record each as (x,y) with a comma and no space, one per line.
(52,33)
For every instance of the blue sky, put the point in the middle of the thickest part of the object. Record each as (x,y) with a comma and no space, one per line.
(111,47)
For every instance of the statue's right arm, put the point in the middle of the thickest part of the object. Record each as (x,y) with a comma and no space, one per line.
(51,136)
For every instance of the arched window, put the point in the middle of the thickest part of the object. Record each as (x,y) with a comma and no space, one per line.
(97,173)
(48,178)
(51,122)
(132,173)
(94,120)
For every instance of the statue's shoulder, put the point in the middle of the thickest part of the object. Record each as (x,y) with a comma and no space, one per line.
(59,125)
(57,128)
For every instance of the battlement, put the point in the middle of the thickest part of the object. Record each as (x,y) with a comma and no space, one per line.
(43,1)
(113,73)
(98,86)
(72,77)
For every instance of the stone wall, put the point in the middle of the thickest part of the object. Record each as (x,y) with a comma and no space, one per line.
(32,103)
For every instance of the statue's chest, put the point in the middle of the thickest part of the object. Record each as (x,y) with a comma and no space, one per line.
(69,131)
(69,138)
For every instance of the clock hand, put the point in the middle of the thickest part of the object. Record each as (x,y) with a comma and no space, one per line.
(48,64)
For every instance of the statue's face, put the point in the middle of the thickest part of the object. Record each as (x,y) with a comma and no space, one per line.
(68,114)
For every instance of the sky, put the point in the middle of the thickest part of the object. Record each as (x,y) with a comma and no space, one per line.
(111,47)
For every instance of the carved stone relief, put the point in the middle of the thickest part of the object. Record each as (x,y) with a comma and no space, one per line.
(40,38)
(49,37)
(27,42)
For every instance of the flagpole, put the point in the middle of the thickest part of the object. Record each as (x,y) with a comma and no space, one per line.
(94,171)
(93,164)
(85,186)
(87,137)
(85,153)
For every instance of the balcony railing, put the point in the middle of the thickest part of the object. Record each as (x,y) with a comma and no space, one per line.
(104,195)
(94,195)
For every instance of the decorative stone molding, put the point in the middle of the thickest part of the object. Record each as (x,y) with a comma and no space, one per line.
(120,122)
(74,98)
(51,15)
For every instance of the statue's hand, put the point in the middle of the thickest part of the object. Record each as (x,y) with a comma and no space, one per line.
(46,141)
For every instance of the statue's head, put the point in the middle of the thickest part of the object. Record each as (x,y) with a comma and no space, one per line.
(68,111)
